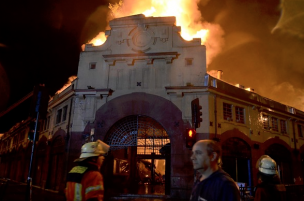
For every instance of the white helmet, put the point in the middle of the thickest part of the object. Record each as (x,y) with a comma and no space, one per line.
(267,165)
(92,149)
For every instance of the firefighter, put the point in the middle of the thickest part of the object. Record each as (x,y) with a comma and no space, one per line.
(84,181)
(269,187)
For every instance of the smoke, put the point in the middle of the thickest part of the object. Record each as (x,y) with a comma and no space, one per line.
(263,50)
(289,91)
(292,17)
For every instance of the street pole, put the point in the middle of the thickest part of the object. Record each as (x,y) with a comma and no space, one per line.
(29,178)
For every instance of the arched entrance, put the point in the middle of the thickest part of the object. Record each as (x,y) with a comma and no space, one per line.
(136,159)
(283,159)
(237,160)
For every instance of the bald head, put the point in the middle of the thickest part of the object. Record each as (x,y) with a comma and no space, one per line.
(206,154)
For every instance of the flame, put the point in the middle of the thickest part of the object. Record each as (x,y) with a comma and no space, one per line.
(187,16)
(99,39)
(69,82)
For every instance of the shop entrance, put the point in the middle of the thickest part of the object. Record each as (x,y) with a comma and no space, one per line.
(237,160)
(139,159)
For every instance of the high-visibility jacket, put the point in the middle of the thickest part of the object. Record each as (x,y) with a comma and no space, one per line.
(84,182)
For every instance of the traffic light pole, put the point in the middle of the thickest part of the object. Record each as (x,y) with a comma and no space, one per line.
(29,178)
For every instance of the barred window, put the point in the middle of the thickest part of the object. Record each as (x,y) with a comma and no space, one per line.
(265,121)
(227,108)
(239,114)
(283,126)
(274,122)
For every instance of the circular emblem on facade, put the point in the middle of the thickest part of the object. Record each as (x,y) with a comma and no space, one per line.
(142,38)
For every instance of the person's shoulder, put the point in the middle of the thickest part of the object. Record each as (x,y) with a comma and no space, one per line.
(224,175)
(92,176)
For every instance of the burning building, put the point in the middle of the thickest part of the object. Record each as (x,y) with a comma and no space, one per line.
(139,92)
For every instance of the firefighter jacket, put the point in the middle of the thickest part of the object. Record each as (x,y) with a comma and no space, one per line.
(84,182)
(270,189)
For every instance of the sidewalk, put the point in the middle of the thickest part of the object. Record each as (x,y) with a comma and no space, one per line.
(15,191)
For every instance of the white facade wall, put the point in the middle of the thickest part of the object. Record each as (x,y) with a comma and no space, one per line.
(141,54)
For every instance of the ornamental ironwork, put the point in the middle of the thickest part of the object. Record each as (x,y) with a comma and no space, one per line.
(136,130)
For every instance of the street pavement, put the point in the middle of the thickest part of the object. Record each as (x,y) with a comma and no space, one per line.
(13,191)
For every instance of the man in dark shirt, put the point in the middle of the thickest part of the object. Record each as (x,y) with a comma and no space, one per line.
(214,184)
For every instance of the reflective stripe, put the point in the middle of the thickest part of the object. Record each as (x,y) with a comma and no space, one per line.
(78,169)
(93,188)
(77,196)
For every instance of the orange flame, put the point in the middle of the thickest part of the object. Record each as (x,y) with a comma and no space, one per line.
(69,82)
(187,16)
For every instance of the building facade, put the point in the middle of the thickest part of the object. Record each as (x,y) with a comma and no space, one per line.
(135,92)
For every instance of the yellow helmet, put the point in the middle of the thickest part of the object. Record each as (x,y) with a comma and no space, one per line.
(92,149)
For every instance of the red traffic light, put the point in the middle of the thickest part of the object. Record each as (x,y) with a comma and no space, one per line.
(190,133)
(190,137)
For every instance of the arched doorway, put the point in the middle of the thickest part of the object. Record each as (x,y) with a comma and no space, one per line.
(237,160)
(283,159)
(136,159)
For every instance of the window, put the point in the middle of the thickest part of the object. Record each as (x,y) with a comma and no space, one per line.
(274,122)
(188,61)
(64,114)
(265,121)
(300,130)
(48,122)
(239,114)
(227,108)
(283,126)
(92,65)
(58,117)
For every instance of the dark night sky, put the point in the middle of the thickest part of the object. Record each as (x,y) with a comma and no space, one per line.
(40,42)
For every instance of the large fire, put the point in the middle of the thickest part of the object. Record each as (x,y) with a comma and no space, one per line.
(187,16)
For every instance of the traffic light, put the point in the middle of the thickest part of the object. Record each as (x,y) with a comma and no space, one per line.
(196,113)
(190,137)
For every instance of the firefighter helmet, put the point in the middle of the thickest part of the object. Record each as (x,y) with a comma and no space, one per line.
(92,149)
(267,165)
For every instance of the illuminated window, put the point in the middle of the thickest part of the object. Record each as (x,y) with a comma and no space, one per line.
(92,65)
(300,130)
(283,126)
(274,122)
(227,109)
(239,114)
(265,121)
